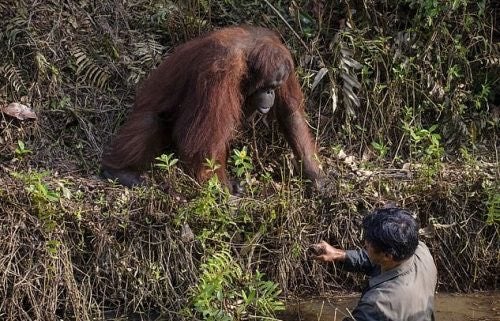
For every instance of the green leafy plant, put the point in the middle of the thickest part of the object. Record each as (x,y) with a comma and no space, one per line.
(493,206)
(482,97)
(211,209)
(266,177)
(429,140)
(166,162)
(242,167)
(212,165)
(60,103)
(381,148)
(44,198)
(430,10)
(224,292)
(426,147)
(242,162)
(52,247)
(21,149)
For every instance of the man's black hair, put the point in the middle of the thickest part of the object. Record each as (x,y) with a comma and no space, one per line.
(393,231)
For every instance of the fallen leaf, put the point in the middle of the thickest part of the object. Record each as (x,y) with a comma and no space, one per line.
(19,111)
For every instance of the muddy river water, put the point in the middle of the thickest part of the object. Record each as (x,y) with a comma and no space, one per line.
(448,307)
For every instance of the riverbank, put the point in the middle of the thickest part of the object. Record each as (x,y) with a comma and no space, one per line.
(402,100)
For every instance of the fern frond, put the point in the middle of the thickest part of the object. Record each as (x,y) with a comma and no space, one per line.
(348,67)
(221,264)
(148,51)
(145,55)
(88,71)
(13,76)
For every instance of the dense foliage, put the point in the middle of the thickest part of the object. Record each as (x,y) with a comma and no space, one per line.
(403,98)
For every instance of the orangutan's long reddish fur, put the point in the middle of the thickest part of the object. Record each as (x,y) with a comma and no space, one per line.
(194,102)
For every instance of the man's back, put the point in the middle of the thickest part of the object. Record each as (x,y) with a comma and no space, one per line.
(405,293)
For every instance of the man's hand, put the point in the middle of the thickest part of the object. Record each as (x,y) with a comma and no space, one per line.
(326,253)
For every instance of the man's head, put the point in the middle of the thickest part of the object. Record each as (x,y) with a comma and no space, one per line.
(392,231)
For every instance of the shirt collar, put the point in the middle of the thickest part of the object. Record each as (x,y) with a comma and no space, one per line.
(401,269)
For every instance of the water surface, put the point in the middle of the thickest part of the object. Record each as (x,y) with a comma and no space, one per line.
(448,307)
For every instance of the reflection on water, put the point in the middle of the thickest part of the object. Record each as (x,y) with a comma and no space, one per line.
(448,307)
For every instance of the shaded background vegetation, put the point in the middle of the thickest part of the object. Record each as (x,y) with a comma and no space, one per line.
(402,97)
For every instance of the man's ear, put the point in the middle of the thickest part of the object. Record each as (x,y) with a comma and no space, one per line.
(388,257)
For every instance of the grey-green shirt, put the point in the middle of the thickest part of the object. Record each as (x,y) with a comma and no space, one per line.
(405,293)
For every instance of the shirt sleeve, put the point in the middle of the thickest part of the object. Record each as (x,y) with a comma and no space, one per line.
(358,261)
(365,311)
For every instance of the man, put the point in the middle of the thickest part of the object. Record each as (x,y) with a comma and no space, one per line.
(402,272)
